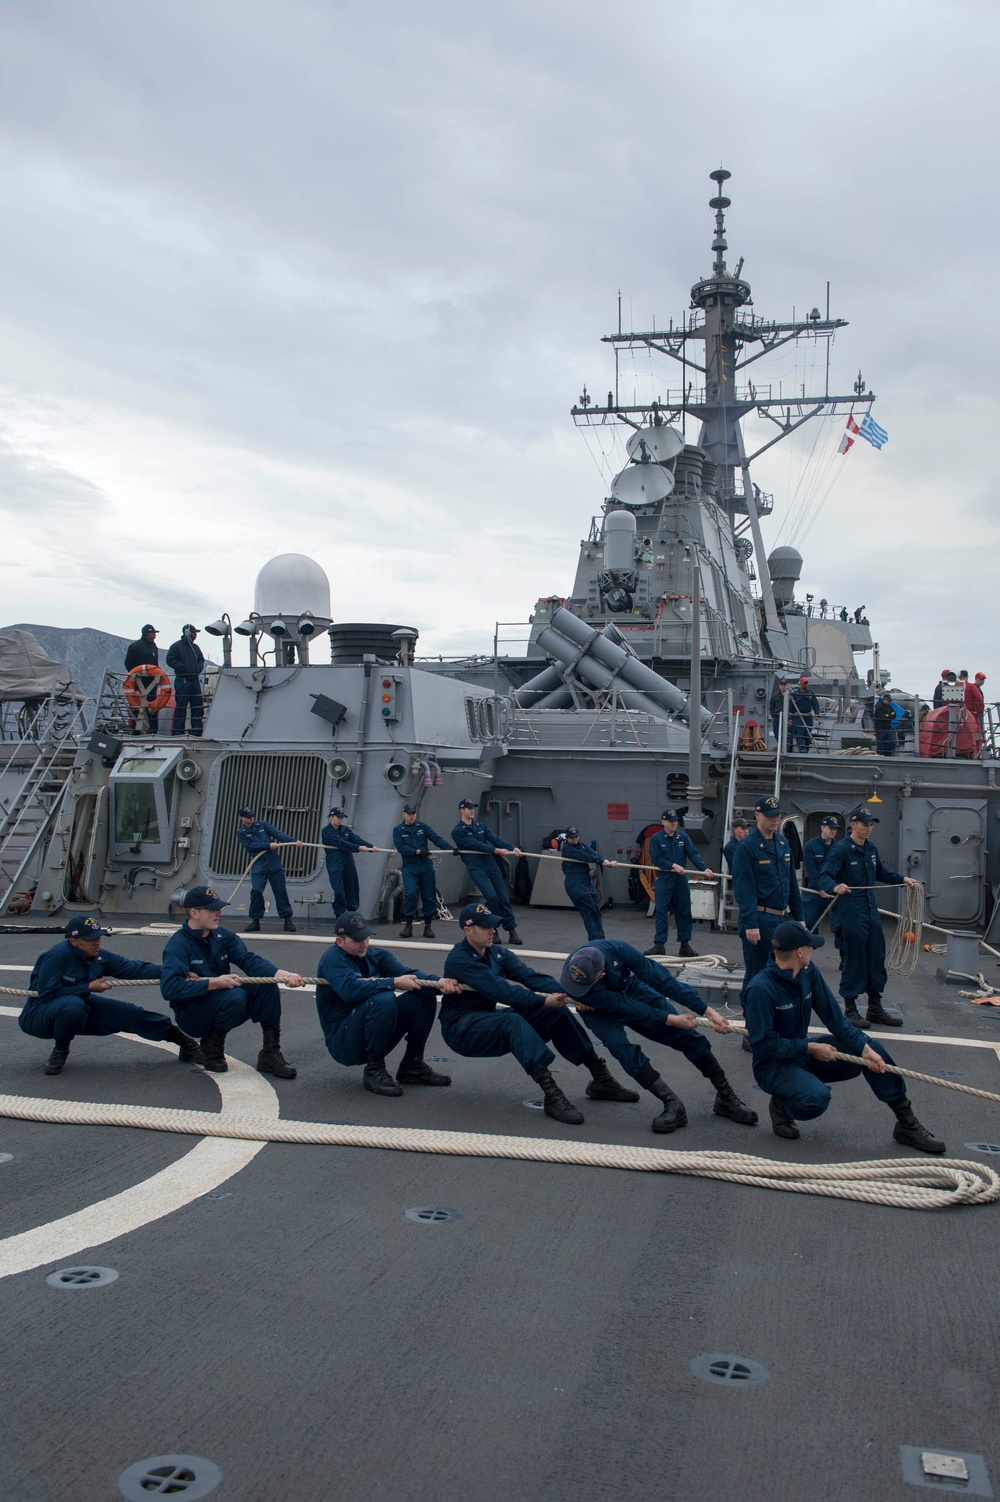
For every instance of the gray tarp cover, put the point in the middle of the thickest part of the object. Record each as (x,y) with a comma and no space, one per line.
(27,672)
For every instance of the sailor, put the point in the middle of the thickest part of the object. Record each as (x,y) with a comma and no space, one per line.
(479,846)
(368,1002)
(341,842)
(884,720)
(670,849)
(797,1071)
(208,999)
(532,1015)
(616,989)
(802,706)
(411,839)
(140,654)
(947,676)
(187,663)
(851,870)
(577,860)
(264,841)
(975,700)
(71,981)
(737,833)
(764,886)
(776,709)
(814,853)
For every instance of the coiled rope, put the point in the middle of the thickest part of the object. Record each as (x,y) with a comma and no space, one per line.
(904,948)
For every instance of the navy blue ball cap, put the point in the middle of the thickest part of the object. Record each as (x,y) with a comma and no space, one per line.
(246,812)
(353,926)
(85,928)
(769,806)
(467,803)
(789,936)
(204,897)
(409,808)
(148,628)
(572,833)
(479,914)
(582,970)
(671,814)
(831,821)
(336,813)
(862,816)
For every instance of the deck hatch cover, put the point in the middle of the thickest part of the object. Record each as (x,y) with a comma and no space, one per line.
(921,1467)
(433,1215)
(187,1476)
(729,1370)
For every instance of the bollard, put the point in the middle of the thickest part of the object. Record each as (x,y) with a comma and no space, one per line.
(962,956)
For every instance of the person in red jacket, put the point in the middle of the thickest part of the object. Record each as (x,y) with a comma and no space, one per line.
(975,702)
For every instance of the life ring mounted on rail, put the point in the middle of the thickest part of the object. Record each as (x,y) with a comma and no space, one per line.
(138,698)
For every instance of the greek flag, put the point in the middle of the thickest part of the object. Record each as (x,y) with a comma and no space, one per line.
(871,432)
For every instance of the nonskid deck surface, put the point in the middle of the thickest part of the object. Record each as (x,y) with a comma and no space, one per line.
(300,1331)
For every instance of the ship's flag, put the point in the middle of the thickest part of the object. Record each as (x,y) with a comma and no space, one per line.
(871,432)
(850,433)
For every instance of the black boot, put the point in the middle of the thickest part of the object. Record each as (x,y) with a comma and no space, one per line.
(655,949)
(213,1052)
(428,931)
(189,1048)
(57,1058)
(852,1014)
(513,937)
(877,1014)
(603,1085)
(727,1102)
(782,1124)
(270,1060)
(686,952)
(909,1131)
(413,1070)
(406,932)
(556,1104)
(377,1078)
(253,927)
(289,926)
(673,1116)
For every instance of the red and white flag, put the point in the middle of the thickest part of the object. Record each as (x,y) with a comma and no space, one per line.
(850,433)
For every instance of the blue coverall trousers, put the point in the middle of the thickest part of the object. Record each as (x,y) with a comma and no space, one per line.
(188,695)
(813,909)
(488,1035)
(649,1022)
(804,1089)
(863,944)
(95,1016)
(419,881)
(584,899)
(343,877)
(486,874)
(374,1027)
(672,893)
(221,1011)
(756,956)
(262,873)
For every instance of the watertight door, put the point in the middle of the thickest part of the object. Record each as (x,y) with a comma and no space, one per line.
(955,864)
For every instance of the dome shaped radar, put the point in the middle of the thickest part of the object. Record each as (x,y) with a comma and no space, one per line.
(292,585)
(659,442)
(640,484)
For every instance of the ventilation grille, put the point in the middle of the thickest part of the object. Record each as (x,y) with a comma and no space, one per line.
(287,790)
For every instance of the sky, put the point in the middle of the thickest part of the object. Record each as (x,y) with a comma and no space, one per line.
(327,278)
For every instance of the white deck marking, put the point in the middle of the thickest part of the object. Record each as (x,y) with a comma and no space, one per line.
(203,1168)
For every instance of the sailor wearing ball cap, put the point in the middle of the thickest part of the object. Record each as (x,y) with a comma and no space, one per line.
(670,849)
(814,853)
(764,886)
(340,843)
(411,839)
(577,860)
(479,846)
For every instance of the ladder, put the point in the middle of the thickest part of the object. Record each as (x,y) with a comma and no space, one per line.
(26,825)
(752,774)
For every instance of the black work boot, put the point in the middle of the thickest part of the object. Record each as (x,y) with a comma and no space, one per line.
(513,937)
(673,1116)
(655,949)
(289,926)
(253,927)
(686,952)
(413,1070)
(782,1124)
(213,1052)
(910,1132)
(852,1014)
(728,1103)
(878,1014)
(270,1060)
(57,1058)
(556,1104)
(603,1085)
(189,1048)
(406,932)
(428,931)
(377,1078)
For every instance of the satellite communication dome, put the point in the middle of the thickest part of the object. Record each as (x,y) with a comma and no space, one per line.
(292,585)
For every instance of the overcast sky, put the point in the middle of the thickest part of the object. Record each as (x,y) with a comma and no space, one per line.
(327,277)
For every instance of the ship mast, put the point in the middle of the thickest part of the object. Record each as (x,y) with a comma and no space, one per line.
(717,343)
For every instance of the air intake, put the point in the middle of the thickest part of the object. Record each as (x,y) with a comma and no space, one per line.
(350,641)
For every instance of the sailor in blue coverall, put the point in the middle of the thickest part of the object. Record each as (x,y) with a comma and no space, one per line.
(616,988)
(670,849)
(341,842)
(764,886)
(533,1014)
(71,979)
(739,833)
(263,840)
(479,845)
(855,862)
(814,853)
(796,1070)
(803,705)
(368,1002)
(577,860)
(411,839)
(214,1002)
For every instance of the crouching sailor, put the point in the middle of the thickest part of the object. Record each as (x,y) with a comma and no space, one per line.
(368,1002)
(618,988)
(207,999)
(797,1071)
(71,980)
(534,1016)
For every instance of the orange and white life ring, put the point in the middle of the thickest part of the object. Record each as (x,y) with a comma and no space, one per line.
(146,696)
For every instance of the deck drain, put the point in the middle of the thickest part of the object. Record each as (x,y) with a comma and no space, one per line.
(730,1371)
(535,1105)
(82,1277)
(945,1470)
(438,1058)
(983,1147)
(187,1476)
(433,1215)
(218,1194)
